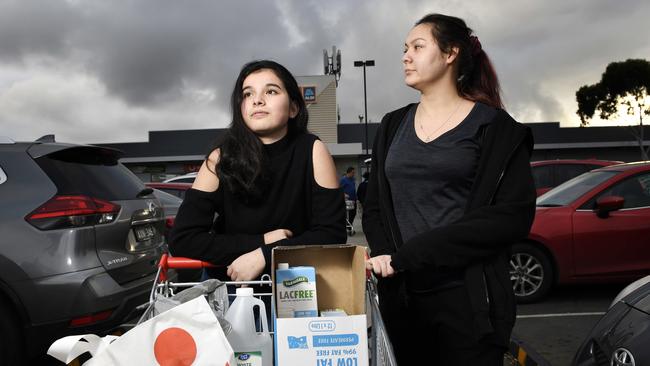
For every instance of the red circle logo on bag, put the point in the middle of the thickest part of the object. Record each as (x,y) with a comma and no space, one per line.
(175,347)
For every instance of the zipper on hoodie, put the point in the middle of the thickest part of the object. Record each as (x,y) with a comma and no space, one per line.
(503,170)
(485,286)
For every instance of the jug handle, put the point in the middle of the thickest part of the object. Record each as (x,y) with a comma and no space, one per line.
(265,324)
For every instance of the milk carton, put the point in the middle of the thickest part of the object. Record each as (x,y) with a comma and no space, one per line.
(296,291)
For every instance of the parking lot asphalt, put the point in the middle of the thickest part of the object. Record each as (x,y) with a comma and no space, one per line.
(556,327)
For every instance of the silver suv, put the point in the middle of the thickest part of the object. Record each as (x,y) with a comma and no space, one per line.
(80,238)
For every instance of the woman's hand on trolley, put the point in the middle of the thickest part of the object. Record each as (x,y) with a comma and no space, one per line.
(247,267)
(381,266)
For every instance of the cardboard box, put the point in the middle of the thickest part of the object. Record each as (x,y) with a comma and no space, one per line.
(340,283)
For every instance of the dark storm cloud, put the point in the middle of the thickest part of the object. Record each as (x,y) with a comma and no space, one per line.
(144,50)
(130,60)
(35,27)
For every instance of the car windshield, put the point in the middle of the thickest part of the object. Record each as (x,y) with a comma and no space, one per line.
(571,190)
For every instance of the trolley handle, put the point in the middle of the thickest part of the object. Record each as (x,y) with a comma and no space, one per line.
(167,262)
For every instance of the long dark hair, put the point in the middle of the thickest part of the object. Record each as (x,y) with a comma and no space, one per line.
(476,79)
(243,164)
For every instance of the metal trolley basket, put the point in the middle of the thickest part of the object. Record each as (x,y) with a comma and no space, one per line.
(380,348)
(163,287)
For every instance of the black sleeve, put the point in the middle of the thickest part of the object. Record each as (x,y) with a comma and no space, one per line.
(482,232)
(192,235)
(373,227)
(327,223)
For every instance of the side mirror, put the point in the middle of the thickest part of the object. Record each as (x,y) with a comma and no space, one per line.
(607,204)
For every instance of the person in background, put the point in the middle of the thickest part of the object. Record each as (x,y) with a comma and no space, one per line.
(450,191)
(361,189)
(350,189)
(266,182)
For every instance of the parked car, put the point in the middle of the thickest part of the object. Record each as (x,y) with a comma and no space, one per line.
(81,239)
(175,189)
(622,335)
(187,178)
(593,228)
(551,173)
(170,204)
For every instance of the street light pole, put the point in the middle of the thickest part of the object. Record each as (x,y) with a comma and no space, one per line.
(365,98)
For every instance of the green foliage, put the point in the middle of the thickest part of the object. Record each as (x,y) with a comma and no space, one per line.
(624,84)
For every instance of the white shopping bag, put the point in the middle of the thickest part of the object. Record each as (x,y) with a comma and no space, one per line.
(188,334)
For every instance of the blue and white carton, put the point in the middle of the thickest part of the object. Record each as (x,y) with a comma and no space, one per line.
(295,291)
(340,284)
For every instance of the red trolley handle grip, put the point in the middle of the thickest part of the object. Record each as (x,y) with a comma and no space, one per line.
(167,262)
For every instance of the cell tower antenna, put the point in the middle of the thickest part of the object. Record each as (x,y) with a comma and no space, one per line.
(332,64)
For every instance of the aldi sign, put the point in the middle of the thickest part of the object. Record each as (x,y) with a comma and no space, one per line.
(309,94)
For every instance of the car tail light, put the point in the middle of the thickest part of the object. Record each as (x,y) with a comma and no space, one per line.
(169,221)
(62,212)
(91,319)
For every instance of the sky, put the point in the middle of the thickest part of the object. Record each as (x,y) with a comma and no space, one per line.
(96,71)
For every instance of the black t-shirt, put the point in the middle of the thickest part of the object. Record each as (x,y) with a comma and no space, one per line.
(293,200)
(431,182)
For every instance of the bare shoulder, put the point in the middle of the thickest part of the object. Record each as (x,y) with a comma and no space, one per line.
(324,168)
(207,180)
(213,158)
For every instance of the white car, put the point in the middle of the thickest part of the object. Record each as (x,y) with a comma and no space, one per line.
(187,178)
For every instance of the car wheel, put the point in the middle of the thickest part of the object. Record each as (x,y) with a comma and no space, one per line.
(531,273)
(11,347)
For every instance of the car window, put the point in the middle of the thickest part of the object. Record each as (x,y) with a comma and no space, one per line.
(564,172)
(573,189)
(635,190)
(90,172)
(3,176)
(185,180)
(543,176)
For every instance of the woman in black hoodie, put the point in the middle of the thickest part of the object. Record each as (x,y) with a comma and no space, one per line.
(450,191)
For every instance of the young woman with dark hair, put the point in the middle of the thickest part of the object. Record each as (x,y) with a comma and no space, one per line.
(450,191)
(267,182)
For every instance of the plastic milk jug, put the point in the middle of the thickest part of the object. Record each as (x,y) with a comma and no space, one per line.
(295,291)
(252,348)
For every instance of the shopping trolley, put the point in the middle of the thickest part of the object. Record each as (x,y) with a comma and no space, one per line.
(164,287)
(381,350)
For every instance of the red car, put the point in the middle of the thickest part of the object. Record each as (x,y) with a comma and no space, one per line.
(551,173)
(593,228)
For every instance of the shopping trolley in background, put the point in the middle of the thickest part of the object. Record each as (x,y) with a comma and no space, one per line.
(349,207)
(380,348)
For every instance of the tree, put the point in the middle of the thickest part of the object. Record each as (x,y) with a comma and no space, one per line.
(624,85)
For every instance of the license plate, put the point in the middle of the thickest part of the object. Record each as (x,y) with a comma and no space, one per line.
(144,232)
